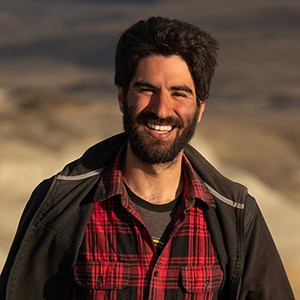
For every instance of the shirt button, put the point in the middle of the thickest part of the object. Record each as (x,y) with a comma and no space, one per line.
(99,279)
(207,283)
(155,273)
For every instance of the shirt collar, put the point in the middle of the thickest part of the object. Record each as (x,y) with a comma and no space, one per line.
(194,187)
(111,182)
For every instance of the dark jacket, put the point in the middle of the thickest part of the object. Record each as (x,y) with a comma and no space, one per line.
(41,260)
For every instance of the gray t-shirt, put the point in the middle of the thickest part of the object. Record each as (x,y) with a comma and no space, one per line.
(156,217)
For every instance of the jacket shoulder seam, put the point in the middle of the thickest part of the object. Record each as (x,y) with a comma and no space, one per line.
(80,176)
(224,199)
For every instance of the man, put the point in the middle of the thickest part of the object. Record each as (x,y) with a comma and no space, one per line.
(143,215)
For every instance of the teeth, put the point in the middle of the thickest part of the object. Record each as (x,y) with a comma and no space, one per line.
(156,127)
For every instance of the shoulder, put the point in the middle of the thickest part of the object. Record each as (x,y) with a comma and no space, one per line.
(77,176)
(223,189)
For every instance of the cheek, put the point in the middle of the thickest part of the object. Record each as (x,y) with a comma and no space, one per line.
(185,111)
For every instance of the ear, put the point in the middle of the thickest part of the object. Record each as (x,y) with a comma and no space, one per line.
(201,110)
(121,99)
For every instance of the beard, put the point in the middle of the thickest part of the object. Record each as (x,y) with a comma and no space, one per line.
(154,151)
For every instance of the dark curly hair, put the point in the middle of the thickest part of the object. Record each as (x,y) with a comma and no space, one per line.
(166,37)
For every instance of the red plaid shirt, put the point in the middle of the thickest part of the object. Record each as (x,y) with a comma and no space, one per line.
(118,259)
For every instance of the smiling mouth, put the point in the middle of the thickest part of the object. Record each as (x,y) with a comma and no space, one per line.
(159,128)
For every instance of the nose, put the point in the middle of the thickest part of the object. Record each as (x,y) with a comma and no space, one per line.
(161,105)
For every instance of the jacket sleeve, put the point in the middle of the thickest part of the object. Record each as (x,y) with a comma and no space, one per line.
(264,276)
(31,206)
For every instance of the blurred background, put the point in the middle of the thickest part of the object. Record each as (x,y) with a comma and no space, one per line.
(57,98)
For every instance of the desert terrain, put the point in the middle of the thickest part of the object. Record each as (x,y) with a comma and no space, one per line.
(57,98)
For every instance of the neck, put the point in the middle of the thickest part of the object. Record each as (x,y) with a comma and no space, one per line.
(155,183)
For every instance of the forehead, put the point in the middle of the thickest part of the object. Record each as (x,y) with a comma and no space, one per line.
(167,69)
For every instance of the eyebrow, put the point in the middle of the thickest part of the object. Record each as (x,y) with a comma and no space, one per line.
(182,87)
(143,83)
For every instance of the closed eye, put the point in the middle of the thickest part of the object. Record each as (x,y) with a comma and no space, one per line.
(180,94)
(145,87)
(182,91)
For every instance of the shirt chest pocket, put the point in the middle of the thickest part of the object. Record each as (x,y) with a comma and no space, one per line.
(101,275)
(201,279)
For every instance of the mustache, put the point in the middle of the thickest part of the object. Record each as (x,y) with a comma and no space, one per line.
(144,117)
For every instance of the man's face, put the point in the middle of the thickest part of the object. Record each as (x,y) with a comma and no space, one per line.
(160,110)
